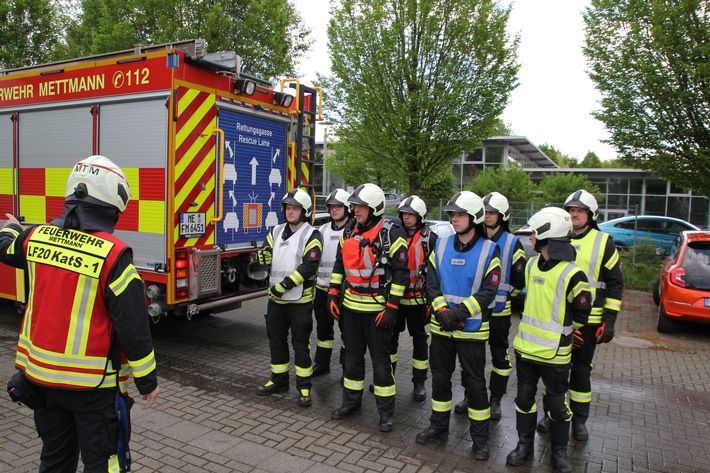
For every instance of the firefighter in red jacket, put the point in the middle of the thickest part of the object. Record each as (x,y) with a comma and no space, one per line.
(293,250)
(85,325)
(413,306)
(372,263)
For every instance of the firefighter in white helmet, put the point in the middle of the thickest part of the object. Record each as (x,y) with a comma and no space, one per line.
(341,224)
(85,324)
(512,281)
(293,249)
(413,306)
(371,268)
(557,305)
(463,275)
(599,259)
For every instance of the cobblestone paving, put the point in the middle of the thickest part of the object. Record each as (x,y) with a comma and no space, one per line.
(649,409)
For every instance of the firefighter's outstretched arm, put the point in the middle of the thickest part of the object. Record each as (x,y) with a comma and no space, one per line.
(11,240)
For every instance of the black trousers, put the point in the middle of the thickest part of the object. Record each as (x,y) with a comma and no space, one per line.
(413,316)
(325,329)
(555,381)
(361,335)
(580,379)
(74,422)
(498,342)
(472,358)
(296,318)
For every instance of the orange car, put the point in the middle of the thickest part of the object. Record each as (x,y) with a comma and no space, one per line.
(683,288)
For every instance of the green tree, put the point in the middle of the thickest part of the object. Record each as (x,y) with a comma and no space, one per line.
(414,83)
(269,35)
(562,160)
(556,187)
(514,183)
(651,62)
(591,160)
(29,30)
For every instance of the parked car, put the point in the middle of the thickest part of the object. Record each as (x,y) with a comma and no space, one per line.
(683,288)
(392,200)
(523,233)
(660,231)
(442,228)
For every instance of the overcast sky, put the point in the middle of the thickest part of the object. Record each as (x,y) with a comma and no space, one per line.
(555,98)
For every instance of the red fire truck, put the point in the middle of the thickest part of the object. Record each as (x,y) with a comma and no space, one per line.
(208,151)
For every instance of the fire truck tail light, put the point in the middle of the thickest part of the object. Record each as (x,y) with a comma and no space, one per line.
(181,273)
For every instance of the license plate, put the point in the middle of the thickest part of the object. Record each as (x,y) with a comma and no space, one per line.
(192,224)
(707,302)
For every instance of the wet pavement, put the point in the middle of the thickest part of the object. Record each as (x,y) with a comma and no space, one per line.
(649,411)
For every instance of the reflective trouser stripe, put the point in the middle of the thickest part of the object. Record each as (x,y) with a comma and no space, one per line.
(325,344)
(354,384)
(474,414)
(385,391)
(420,364)
(279,369)
(576,396)
(441,406)
(532,409)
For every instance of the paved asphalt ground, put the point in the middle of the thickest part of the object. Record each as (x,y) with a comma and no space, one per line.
(649,411)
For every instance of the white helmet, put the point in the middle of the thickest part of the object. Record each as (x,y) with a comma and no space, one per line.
(370,195)
(496,202)
(467,201)
(300,198)
(339,197)
(583,200)
(99,181)
(413,205)
(551,223)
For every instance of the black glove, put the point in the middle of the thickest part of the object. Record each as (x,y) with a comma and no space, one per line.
(578,340)
(277,290)
(387,318)
(447,320)
(333,307)
(605,332)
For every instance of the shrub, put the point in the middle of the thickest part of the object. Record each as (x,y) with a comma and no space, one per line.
(640,270)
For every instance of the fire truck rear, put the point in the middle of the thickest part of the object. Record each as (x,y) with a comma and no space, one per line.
(208,152)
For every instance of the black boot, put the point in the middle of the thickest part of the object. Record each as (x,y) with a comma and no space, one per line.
(321,361)
(523,451)
(431,433)
(271,388)
(462,407)
(342,412)
(419,390)
(579,431)
(385,407)
(560,462)
(480,448)
(495,408)
(544,425)
(438,427)
(352,400)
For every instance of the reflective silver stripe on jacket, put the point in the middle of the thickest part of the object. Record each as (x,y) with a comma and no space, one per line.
(554,324)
